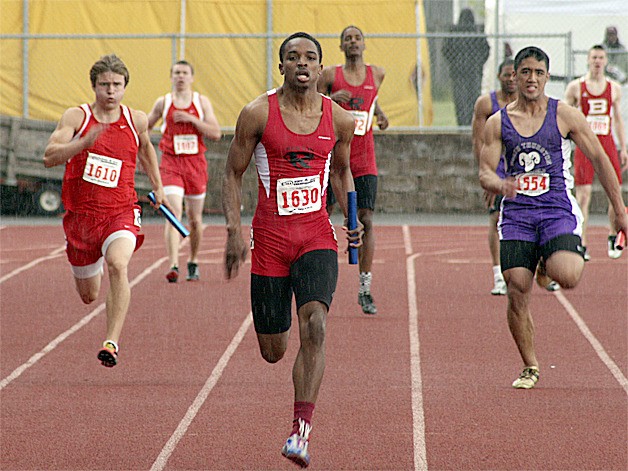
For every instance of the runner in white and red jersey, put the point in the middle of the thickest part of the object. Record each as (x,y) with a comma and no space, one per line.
(599,98)
(300,140)
(354,86)
(187,118)
(99,144)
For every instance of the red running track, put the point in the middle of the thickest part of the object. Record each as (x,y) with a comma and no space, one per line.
(424,385)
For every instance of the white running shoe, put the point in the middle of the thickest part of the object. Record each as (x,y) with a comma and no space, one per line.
(527,379)
(612,251)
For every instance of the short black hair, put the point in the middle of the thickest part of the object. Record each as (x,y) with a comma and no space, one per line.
(597,47)
(504,64)
(182,62)
(534,52)
(342,35)
(300,34)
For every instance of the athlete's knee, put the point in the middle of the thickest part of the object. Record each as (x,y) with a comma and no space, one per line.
(313,327)
(88,295)
(195,223)
(272,354)
(366,219)
(272,347)
(117,267)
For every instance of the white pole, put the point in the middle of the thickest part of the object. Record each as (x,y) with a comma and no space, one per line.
(182,30)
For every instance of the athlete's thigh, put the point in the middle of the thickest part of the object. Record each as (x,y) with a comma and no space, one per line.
(119,248)
(583,169)
(271,304)
(174,195)
(195,175)
(314,277)
(518,253)
(366,188)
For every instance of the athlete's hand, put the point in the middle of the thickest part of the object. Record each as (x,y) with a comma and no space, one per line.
(89,138)
(341,96)
(623,160)
(235,254)
(160,198)
(183,117)
(382,121)
(509,187)
(621,222)
(354,236)
(489,199)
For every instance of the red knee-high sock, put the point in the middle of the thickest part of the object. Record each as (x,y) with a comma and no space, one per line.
(304,411)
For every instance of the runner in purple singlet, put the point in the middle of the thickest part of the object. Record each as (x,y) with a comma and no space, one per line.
(540,219)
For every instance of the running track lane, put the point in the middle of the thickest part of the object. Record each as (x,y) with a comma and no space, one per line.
(67,412)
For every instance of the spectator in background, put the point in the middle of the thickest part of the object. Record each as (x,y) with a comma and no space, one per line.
(507,50)
(466,57)
(617,67)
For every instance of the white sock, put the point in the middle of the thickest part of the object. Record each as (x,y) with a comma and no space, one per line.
(365,282)
(497,273)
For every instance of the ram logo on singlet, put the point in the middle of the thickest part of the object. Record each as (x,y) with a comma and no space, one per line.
(299,159)
(529,160)
(598,106)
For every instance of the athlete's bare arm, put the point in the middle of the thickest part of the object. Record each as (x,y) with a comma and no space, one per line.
(209,126)
(155,113)
(341,178)
(618,125)
(572,123)
(61,147)
(248,132)
(326,80)
(378,77)
(572,93)
(489,159)
(147,156)
(481,112)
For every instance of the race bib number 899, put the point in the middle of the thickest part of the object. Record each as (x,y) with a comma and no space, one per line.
(298,195)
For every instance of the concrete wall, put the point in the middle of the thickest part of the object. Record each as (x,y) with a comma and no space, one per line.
(419,173)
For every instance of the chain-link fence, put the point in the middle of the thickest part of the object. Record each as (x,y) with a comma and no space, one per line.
(43,74)
(459,71)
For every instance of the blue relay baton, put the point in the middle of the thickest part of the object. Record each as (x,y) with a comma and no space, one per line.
(170,217)
(352,212)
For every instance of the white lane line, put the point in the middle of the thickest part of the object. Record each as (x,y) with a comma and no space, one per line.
(597,346)
(181,429)
(75,328)
(418,415)
(407,240)
(54,254)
